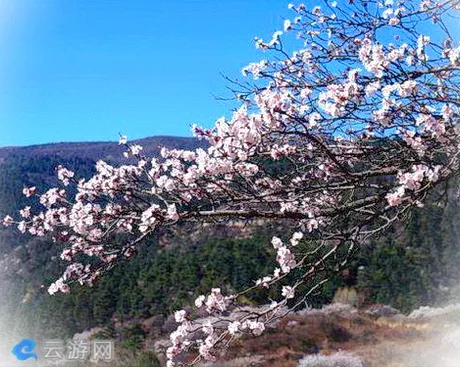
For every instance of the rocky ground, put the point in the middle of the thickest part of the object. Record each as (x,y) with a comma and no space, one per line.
(340,335)
(336,335)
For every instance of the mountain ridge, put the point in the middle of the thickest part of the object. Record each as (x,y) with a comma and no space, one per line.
(110,150)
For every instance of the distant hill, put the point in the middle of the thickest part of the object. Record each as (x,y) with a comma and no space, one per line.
(35,165)
(109,151)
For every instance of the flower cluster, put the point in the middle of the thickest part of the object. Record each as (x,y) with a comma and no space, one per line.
(284,257)
(412,181)
(64,175)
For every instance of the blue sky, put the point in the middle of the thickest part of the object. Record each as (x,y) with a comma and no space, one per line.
(84,70)
(73,70)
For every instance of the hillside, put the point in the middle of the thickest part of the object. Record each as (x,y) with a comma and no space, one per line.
(109,151)
(35,165)
(407,267)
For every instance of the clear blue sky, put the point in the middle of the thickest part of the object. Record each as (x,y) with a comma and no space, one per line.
(84,70)
(74,70)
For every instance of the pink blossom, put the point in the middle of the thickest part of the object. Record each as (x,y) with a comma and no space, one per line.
(22,226)
(264,281)
(275,38)
(52,196)
(422,41)
(255,69)
(64,175)
(58,286)
(233,327)
(206,352)
(180,316)
(288,292)
(296,238)
(287,25)
(8,221)
(454,56)
(316,10)
(285,259)
(256,327)
(371,88)
(215,301)
(395,198)
(276,242)
(25,212)
(123,139)
(172,212)
(447,112)
(207,328)
(407,88)
(28,192)
(373,57)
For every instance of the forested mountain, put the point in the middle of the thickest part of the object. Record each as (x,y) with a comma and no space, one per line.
(407,267)
(108,151)
(35,165)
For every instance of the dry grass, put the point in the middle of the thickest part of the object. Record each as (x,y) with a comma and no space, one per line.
(384,341)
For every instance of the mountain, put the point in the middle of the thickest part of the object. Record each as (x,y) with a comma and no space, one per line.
(410,266)
(35,165)
(109,151)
